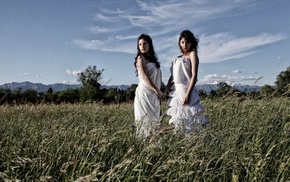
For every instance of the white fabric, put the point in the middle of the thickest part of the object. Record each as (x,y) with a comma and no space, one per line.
(189,117)
(146,102)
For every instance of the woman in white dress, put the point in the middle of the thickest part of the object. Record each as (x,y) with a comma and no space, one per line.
(185,109)
(148,93)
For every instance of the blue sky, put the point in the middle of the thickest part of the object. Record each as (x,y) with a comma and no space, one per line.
(49,41)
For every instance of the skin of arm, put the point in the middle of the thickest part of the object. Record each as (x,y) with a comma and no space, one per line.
(141,62)
(194,69)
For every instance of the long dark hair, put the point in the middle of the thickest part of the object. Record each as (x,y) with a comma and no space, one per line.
(188,35)
(150,55)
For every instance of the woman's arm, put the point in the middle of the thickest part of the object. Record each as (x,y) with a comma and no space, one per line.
(194,69)
(141,65)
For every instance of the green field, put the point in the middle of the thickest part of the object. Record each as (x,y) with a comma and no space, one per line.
(247,140)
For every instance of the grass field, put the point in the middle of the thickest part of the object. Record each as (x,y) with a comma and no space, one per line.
(247,140)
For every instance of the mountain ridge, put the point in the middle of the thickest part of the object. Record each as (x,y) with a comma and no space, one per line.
(39,87)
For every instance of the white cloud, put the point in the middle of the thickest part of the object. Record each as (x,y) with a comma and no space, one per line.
(174,13)
(99,30)
(73,72)
(214,78)
(224,46)
(90,44)
(23,74)
(105,18)
(236,71)
(129,37)
(118,29)
(66,82)
(160,16)
(109,45)
(280,57)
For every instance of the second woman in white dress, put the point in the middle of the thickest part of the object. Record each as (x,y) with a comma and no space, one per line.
(185,109)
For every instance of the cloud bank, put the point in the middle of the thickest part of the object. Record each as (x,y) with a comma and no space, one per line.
(118,29)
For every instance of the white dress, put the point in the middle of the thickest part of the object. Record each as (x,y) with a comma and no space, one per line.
(146,102)
(190,117)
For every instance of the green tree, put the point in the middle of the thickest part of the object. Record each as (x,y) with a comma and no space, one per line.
(16,96)
(131,92)
(90,79)
(50,90)
(29,96)
(212,94)
(223,88)
(5,95)
(266,90)
(111,95)
(202,94)
(283,83)
(69,95)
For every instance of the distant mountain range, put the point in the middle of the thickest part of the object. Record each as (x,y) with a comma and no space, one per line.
(207,88)
(39,87)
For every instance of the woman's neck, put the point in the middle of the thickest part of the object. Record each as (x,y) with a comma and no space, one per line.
(186,55)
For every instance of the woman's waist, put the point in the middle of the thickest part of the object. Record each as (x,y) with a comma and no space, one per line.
(181,86)
(155,82)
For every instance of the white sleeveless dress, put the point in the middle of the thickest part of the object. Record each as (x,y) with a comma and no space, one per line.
(146,102)
(190,117)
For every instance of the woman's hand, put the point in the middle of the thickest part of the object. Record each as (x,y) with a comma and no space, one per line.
(185,100)
(160,94)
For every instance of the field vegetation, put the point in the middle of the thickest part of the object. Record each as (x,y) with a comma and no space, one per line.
(246,140)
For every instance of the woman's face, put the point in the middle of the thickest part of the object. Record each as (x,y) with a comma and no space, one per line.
(185,45)
(143,46)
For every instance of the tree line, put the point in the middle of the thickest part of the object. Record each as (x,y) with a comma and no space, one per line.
(91,91)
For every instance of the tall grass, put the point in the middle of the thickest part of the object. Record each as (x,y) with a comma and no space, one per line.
(246,141)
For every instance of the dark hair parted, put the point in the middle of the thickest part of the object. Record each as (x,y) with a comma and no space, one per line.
(150,55)
(188,35)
